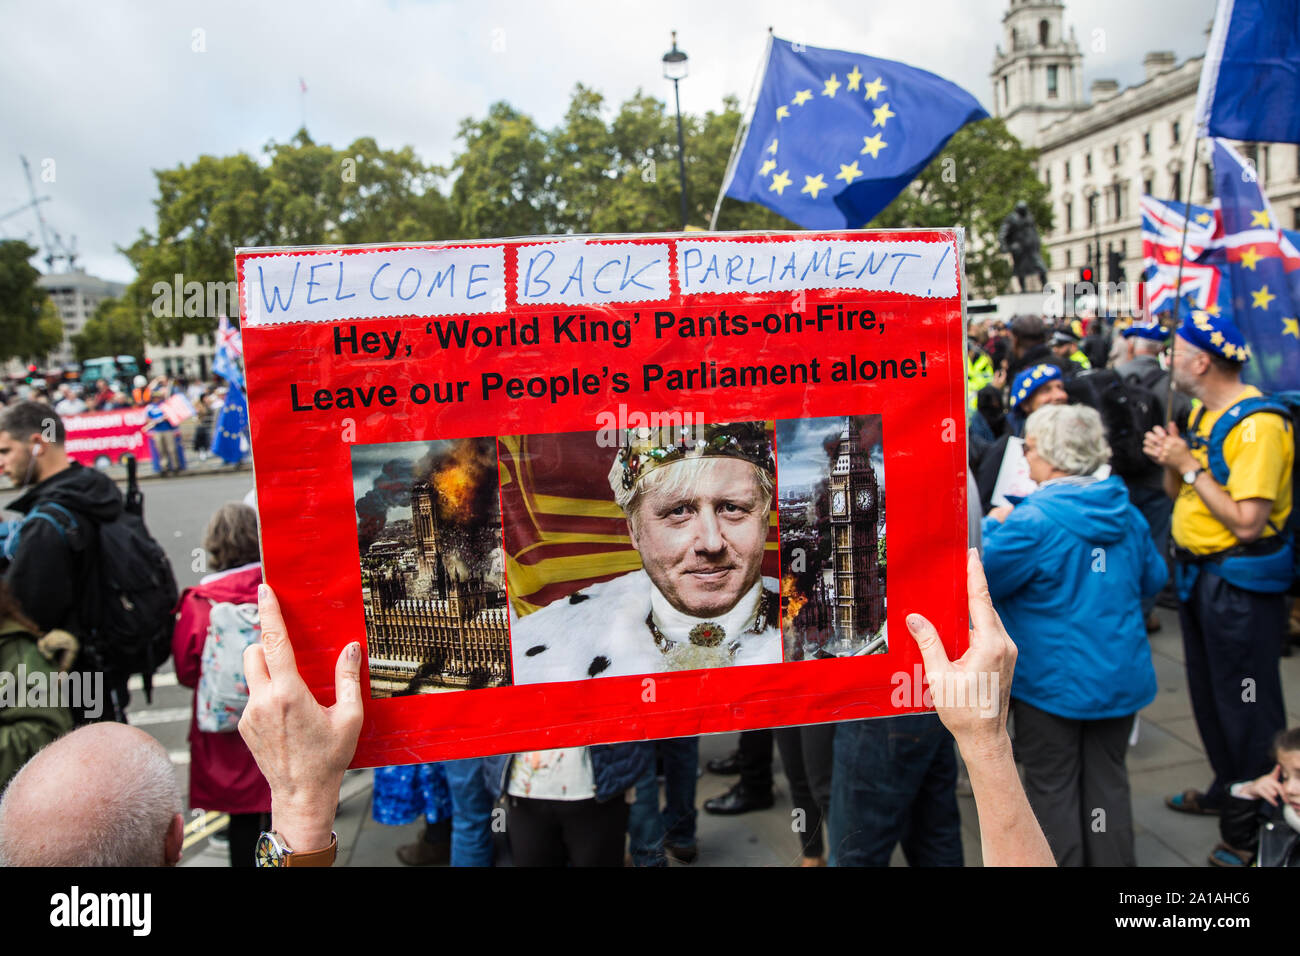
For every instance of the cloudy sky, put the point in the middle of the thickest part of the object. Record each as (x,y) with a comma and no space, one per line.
(801,452)
(101,92)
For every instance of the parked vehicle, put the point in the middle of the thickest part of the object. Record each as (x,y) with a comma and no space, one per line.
(110,367)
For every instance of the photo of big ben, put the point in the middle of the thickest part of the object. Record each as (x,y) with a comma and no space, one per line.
(832,515)
(855,496)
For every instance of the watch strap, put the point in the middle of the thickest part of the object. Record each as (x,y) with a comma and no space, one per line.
(273,852)
(323,857)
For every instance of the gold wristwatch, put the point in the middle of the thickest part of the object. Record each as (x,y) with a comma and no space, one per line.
(272,851)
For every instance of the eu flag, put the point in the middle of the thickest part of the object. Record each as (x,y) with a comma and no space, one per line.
(228,441)
(225,365)
(1263,265)
(836,136)
(1250,80)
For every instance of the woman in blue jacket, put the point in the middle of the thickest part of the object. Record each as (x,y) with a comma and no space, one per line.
(1068,568)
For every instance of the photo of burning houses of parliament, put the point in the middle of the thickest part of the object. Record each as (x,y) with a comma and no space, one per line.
(432,566)
(832,515)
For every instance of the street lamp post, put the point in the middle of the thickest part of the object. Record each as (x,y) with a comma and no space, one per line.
(675,69)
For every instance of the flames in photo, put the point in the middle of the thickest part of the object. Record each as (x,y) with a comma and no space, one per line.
(832,513)
(432,568)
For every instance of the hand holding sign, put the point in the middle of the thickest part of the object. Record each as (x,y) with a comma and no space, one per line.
(301,747)
(1009,832)
(991,655)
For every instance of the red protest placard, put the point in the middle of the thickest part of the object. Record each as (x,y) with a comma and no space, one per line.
(586,490)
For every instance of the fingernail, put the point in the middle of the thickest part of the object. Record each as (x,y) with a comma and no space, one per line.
(914,623)
(354,652)
(263,592)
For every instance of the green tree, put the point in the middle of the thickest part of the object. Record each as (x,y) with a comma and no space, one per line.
(301,194)
(30,327)
(116,328)
(503,186)
(974,182)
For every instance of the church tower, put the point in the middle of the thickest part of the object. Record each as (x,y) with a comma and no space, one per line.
(1038,70)
(855,506)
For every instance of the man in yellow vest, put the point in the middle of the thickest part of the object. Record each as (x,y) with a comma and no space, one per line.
(1231,487)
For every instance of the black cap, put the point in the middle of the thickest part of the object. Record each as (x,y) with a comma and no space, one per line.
(1027,327)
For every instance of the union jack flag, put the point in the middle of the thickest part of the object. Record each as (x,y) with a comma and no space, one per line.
(1162,244)
(228,335)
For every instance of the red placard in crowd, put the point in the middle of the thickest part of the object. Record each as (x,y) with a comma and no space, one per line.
(95,437)
(569,491)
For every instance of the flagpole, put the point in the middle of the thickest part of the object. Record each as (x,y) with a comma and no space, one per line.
(1182,254)
(742,125)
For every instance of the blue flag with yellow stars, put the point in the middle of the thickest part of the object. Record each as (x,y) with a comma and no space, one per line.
(1263,266)
(1250,78)
(836,136)
(229,441)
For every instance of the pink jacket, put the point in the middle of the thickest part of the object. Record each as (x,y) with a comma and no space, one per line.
(223,774)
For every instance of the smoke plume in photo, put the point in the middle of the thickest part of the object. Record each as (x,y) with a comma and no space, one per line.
(462,474)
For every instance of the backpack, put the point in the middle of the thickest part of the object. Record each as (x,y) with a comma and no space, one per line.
(223,690)
(1128,411)
(1286,404)
(131,592)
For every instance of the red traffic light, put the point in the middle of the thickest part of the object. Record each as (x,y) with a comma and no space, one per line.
(31,369)
(1085,274)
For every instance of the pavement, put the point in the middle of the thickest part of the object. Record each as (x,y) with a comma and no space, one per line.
(1167,758)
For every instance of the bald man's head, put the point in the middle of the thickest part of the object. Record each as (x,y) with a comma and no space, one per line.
(103,795)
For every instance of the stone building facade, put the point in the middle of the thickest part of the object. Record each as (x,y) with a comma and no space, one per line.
(1099,155)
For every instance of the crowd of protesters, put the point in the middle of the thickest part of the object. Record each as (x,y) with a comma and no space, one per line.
(1103,487)
(138,391)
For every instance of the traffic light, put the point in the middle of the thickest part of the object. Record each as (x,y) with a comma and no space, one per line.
(1085,274)
(1114,266)
(31,373)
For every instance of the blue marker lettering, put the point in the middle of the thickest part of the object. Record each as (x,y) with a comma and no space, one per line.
(528,274)
(275,290)
(595,280)
(448,276)
(575,275)
(902,256)
(338,292)
(842,270)
(814,267)
(935,273)
(870,264)
(408,298)
(373,295)
(788,267)
(469,286)
(311,281)
(686,265)
(631,280)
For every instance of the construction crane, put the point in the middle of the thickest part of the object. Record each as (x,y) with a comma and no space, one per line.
(23,208)
(51,241)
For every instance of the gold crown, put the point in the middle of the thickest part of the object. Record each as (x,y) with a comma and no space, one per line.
(645,449)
